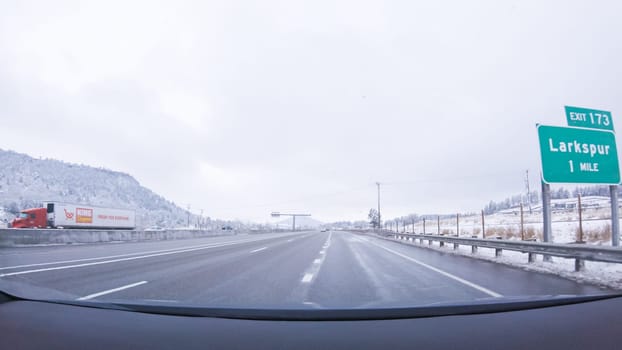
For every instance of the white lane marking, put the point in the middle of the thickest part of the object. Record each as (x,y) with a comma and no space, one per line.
(444,273)
(314,269)
(258,250)
(123,259)
(122,255)
(310,303)
(289,240)
(99,258)
(109,291)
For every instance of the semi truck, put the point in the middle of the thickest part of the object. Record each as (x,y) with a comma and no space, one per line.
(64,215)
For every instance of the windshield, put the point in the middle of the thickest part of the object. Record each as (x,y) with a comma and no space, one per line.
(23,215)
(309,154)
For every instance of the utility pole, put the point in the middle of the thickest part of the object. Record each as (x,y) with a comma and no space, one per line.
(528,191)
(379,220)
(188,214)
(201,220)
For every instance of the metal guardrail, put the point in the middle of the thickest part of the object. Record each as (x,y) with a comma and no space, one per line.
(11,237)
(579,252)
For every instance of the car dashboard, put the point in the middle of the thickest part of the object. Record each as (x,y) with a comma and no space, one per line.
(561,323)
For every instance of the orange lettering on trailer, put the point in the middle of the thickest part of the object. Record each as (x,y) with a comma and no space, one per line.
(84,215)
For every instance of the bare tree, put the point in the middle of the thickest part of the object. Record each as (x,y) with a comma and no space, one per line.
(373,217)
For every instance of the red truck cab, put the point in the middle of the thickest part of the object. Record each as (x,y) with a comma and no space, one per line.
(31,218)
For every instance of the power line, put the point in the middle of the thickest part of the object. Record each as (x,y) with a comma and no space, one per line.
(449,179)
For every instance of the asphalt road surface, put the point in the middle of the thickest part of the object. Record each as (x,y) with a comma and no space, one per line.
(293,270)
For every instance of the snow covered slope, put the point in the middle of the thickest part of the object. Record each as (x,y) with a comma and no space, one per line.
(26,182)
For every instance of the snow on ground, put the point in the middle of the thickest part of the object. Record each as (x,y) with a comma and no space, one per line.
(606,275)
(565,224)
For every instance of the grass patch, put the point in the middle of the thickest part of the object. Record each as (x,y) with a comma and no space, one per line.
(596,235)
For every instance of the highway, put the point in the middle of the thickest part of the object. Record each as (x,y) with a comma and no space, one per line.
(313,269)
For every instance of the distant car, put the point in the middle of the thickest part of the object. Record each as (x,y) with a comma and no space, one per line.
(324,230)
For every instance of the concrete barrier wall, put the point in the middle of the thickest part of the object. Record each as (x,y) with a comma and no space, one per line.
(18,237)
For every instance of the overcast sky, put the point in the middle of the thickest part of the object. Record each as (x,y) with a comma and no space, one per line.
(245,107)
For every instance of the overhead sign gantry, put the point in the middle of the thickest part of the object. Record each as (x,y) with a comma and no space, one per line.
(276,214)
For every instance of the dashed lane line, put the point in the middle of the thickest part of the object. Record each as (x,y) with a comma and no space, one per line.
(110,291)
(127,258)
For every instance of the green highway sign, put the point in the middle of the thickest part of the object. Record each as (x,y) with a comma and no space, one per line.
(588,118)
(578,155)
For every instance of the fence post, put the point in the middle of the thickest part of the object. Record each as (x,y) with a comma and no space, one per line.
(483,226)
(424,226)
(531,257)
(438,225)
(498,251)
(580,221)
(522,223)
(579,265)
(457,230)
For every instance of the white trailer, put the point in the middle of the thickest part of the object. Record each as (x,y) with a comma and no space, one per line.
(65,215)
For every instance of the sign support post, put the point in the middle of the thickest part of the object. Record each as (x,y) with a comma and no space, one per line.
(615,217)
(546,216)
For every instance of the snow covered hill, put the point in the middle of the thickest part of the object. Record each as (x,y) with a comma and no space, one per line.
(26,182)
